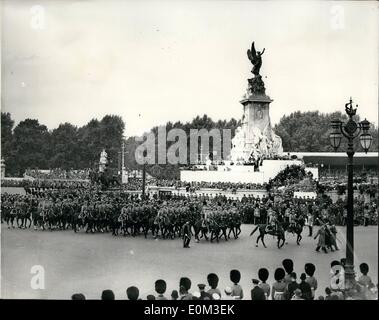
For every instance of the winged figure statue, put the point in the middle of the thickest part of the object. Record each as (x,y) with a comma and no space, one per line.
(256,59)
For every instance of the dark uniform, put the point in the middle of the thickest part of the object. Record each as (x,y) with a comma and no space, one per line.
(257,293)
(186,232)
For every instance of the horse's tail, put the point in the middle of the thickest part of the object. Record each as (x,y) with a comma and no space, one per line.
(255,229)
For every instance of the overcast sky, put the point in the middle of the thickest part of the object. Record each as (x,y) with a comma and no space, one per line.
(151,62)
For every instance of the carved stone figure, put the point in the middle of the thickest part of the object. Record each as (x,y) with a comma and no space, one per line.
(256,59)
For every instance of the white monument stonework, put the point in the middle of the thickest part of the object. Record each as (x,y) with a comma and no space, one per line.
(255,137)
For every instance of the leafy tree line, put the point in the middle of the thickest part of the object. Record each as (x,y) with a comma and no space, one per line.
(31,145)
(309,132)
(171,171)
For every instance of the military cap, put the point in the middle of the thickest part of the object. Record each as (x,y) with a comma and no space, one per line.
(160,286)
(363,267)
(235,276)
(201,286)
(310,269)
(185,283)
(263,274)
(228,290)
(279,274)
(174,294)
(212,280)
(335,263)
(107,295)
(287,265)
(132,293)
(78,296)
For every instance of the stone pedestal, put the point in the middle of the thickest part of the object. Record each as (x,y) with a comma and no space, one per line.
(256,115)
(255,138)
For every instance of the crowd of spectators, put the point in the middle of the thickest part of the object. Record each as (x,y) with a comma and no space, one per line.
(44,183)
(284,284)
(340,175)
(57,173)
(362,188)
(193,186)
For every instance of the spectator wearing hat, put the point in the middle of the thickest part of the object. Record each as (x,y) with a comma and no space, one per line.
(228,294)
(263,276)
(310,270)
(365,281)
(185,286)
(78,296)
(306,291)
(288,267)
(174,295)
(292,286)
(235,277)
(213,283)
(337,280)
(107,295)
(297,295)
(257,293)
(279,286)
(204,295)
(132,293)
(160,288)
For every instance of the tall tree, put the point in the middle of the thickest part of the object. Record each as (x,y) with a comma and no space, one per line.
(98,135)
(89,144)
(111,131)
(6,134)
(65,149)
(30,147)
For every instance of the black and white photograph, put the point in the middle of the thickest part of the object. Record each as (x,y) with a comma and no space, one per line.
(189,150)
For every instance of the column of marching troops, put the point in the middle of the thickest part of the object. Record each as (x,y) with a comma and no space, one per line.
(124,213)
(208,216)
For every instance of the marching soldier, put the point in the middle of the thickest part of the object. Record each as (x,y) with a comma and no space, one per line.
(187,234)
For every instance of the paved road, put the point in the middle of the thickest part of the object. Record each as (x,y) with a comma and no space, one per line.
(90,263)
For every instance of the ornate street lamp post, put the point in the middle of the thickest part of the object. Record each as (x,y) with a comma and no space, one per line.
(350,130)
(143,180)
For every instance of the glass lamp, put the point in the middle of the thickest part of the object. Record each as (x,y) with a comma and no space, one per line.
(365,140)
